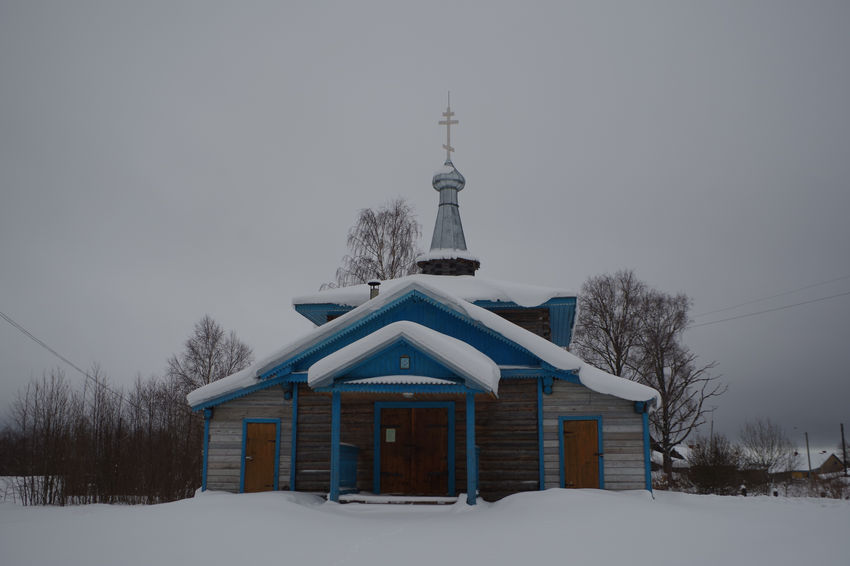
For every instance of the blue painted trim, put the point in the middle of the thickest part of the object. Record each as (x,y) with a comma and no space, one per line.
(336,409)
(453,381)
(376,460)
(522,373)
(276,451)
(598,419)
(414,295)
(496,305)
(540,460)
(390,388)
(292,449)
(561,374)
(317,313)
(471,463)
(647,457)
(207,416)
(290,378)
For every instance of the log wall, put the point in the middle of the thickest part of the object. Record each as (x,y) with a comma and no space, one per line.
(506,433)
(622,434)
(533,320)
(224,458)
(357,427)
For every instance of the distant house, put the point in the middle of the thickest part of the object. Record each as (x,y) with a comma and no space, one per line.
(440,383)
(823,462)
(679,456)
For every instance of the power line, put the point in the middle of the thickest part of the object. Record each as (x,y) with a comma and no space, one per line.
(772,296)
(770,310)
(44,345)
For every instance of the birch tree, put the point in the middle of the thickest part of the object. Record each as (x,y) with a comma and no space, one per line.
(382,245)
(208,355)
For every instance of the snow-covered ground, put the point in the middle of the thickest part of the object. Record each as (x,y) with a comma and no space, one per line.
(555,526)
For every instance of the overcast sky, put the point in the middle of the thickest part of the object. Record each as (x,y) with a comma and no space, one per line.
(163,160)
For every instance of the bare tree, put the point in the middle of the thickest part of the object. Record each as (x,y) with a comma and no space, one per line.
(633,331)
(208,355)
(765,446)
(665,364)
(43,415)
(714,465)
(609,321)
(382,245)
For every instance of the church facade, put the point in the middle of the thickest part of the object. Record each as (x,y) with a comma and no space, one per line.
(431,385)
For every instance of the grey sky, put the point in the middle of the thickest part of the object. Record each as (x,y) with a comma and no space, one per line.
(159,161)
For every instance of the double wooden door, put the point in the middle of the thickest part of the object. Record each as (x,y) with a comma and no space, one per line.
(260,456)
(414,451)
(581,453)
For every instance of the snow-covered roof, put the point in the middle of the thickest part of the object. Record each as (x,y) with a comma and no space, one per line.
(550,353)
(466,287)
(658,459)
(458,356)
(819,458)
(447,253)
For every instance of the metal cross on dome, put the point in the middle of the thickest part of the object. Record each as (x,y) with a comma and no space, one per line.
(448,124)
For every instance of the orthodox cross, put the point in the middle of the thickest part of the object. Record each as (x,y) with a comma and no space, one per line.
(448,124)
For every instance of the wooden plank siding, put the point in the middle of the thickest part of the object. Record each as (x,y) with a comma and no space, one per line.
(357,427)
(533,320)
(622,434)
(224,459)
(506,434)
(313,451)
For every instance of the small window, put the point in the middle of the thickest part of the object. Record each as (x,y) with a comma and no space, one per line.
(404,362)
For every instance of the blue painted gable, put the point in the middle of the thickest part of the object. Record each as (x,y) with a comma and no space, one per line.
(417,307)
(562,311)
(387,362)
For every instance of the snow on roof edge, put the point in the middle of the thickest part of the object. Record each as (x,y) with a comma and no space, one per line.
(447,253)
(459,356)
(467,287)
(589,376)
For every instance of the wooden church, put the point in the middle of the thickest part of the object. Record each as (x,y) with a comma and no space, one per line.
(429,385)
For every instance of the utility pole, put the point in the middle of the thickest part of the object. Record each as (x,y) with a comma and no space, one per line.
(809,455)
(844,449)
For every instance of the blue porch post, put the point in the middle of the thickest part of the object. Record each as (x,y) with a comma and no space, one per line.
(207,416)
(647,447)
(335,425)
(471,464)
(294,439)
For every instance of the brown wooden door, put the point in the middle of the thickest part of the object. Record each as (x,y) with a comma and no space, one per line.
(260,452)
(581,454)
(414,451)
(396,450)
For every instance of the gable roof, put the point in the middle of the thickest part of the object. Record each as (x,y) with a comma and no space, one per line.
(549,353)
(466,287)
(491,294)
(468,362)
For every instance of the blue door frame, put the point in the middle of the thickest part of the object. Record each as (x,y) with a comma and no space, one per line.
(245,423)
(471,462)
(598,419)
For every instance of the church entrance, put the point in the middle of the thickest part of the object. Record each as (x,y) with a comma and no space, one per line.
(414,450)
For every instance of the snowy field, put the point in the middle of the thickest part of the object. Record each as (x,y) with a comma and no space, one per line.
(555,526)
